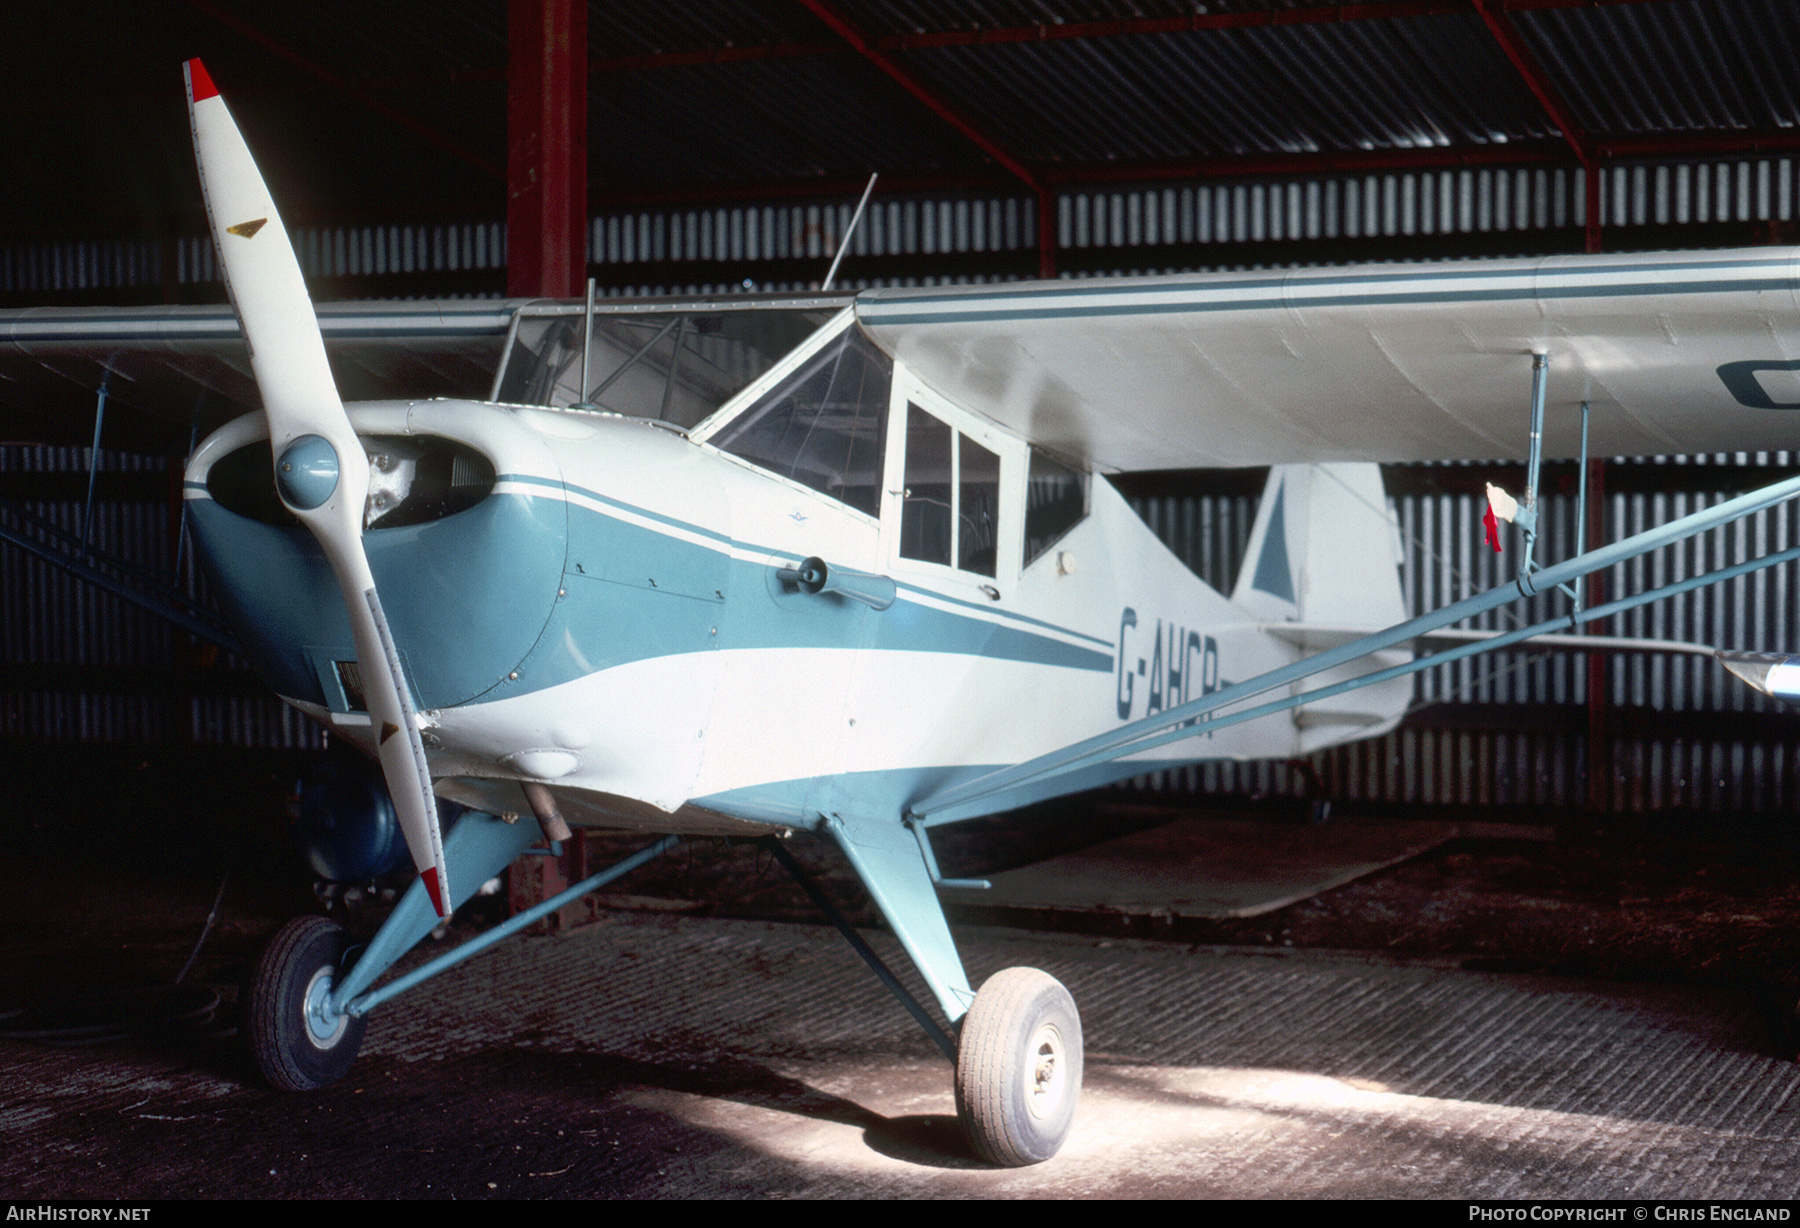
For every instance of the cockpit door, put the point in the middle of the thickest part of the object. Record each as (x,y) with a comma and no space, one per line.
(954,496)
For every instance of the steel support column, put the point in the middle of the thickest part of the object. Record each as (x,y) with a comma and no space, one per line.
(546,231)
(1599,745)
(546,160)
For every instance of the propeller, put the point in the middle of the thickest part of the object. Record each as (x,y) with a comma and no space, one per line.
(321,470)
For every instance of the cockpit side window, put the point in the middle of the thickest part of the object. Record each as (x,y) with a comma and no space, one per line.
(978,503)
(949,512)
(1055,502)
(927,511)
(825,425)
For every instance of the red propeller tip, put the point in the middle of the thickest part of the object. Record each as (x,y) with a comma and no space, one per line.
(200,86)
(430,875)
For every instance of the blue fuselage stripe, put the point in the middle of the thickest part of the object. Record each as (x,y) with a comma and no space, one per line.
(612,588)
(619,553)
(986,613)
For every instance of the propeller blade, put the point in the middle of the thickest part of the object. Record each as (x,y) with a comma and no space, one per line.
(321,470)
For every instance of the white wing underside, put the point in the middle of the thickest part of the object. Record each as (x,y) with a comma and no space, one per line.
(1380,363)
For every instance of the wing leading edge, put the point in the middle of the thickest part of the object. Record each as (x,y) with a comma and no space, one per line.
(1680,352)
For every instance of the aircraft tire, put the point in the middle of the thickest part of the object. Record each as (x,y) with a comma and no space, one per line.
(1018,1068)
(299,964)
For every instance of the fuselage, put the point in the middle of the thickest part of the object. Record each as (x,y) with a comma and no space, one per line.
(602,610)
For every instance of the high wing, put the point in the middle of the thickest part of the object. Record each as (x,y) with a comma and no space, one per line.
(1678,353)
(160,360)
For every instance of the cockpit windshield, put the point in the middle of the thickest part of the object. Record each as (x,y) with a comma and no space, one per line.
(824,424)
(676,363)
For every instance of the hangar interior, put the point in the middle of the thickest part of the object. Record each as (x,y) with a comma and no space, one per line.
(704,148)
(498,151)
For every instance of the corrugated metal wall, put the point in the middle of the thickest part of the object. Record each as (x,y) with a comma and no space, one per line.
(325,252)
(78,664)
(1149,228)
(1460,201)
(1512,730)
(810,231)
(1508,729)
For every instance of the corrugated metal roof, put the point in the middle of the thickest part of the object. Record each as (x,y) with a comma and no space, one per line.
(396,114)
(362,90)
(621,28)
(793,118)
(1682,67)
(1197,95)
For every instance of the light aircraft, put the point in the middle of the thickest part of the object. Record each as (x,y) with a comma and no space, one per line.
(840,563)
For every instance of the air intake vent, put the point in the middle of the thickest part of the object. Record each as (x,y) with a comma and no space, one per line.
(413,479)
(350,678)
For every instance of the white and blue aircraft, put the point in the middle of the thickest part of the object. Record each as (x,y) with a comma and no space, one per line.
(839,563)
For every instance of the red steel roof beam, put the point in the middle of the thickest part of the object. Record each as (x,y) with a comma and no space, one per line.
(1355,161)
(1326,161)
(1525,64)
(1673,144)
(319,72)
(1045,199)
(1346,161)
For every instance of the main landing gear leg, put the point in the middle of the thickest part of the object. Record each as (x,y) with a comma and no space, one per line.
(300,1033)
(1019,1051)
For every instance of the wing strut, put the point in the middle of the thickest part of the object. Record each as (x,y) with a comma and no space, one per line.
(883,973)
(1524,512)
(1012,786)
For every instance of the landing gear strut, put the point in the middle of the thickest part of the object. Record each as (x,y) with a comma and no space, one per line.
(1018,1054)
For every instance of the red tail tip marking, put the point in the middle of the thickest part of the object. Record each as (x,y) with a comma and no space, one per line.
(200,86)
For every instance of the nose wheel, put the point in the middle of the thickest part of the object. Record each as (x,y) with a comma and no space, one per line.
(296,1041)
(1018,1068)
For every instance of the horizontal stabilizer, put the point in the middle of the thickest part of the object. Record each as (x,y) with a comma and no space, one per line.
(1315,638)
(1772,673)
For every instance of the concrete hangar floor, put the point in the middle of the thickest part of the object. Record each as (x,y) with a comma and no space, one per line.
(1493,1014)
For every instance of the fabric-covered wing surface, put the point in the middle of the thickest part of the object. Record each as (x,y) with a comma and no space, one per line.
(1677,352)
(162,360)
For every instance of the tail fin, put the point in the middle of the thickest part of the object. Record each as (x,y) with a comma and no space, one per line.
(1324,555)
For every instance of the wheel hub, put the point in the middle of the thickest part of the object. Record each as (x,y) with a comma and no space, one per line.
(323,1028)
(1045,1071)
